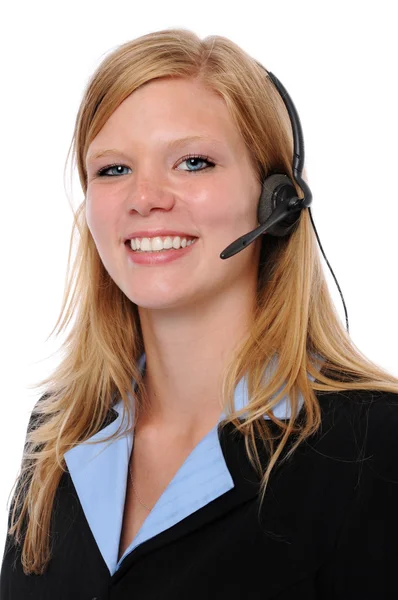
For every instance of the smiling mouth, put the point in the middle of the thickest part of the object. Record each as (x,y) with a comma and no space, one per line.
(149,250)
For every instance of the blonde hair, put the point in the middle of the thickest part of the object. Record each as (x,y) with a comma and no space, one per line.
(295,319)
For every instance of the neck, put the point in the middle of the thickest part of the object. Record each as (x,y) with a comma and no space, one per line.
(185,361)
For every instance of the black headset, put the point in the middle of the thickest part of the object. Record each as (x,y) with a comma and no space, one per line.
(279,207)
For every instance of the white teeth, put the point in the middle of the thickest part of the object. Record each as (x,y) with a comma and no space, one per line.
(146,245)
(157,244)
(168,243)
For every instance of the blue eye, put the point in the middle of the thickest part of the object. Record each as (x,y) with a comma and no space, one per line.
(102,172)
(193,158)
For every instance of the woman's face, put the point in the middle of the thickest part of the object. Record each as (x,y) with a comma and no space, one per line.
(155,185)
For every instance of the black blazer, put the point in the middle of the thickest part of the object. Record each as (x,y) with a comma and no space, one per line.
(328,527)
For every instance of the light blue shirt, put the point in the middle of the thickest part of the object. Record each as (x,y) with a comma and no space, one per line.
(100,473)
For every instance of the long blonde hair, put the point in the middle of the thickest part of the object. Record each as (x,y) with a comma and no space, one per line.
(295,319)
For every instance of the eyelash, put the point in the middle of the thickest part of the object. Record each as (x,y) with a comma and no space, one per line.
(201,157)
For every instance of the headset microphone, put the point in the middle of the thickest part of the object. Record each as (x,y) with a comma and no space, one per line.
(279,207)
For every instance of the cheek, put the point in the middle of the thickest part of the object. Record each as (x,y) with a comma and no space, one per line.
(228,209)
(98,216)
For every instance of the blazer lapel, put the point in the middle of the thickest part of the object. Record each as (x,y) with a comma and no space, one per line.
(246,487)
(98,472)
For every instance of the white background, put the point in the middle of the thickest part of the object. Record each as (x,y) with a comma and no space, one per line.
(337,61)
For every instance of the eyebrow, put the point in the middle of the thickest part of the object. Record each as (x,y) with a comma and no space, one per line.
(170,145)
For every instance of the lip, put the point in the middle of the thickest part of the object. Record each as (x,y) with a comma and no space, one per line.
(158,233)
(157,258)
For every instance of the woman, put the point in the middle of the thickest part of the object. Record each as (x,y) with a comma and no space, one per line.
(212,430)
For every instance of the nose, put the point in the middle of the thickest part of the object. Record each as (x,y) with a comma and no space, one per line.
(148,195)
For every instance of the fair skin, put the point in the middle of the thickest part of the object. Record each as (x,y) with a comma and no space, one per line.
(194,311)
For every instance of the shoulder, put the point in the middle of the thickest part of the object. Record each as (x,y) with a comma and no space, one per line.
(374,410)
(361,425)
(36,416)
(362,428)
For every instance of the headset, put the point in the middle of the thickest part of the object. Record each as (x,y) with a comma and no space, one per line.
(279,207)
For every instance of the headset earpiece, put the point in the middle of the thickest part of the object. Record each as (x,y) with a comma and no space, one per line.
(279,203)
(277,188)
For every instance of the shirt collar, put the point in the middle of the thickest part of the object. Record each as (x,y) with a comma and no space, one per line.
(99,470)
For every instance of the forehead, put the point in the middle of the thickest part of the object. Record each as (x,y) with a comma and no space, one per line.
(171,107)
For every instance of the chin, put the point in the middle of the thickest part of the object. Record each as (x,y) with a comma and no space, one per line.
(164,301)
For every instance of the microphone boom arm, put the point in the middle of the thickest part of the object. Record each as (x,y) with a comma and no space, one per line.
(280,213)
